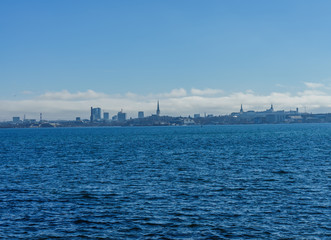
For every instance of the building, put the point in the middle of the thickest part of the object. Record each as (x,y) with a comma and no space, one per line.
(158,109)
(16,119)
(30,120)
(141,114)
(78,119)
(106,116)
(269,116)
(121,116)
(95,114)
(188,121)
(271,109)
(197,115)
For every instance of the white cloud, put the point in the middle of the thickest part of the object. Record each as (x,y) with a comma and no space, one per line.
(66,95)
(175,93)
(314,85)
(312,92)
(67,105)
(131,95)
(206,91)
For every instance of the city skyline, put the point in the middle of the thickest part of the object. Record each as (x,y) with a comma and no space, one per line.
(98,114)
(195,57)
(65,105)
(101,118)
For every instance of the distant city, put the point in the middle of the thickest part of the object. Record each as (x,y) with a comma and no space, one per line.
(100,118)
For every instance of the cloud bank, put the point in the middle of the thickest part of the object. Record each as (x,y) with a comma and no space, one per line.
(178,102)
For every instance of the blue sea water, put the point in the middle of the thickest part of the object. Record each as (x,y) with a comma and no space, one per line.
(210,182)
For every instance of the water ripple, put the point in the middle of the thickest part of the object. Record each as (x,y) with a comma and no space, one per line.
(216,182)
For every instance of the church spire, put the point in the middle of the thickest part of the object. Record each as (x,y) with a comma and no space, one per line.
(241,108)
(158,108)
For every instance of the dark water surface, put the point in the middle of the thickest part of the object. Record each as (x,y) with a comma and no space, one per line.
(214,182)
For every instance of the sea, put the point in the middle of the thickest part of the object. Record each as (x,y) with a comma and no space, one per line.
(176,182)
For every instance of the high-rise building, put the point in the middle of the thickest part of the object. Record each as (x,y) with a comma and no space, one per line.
(95,114)
(158,109)
(141,114)
(121,116)
(16,119)
(106,116)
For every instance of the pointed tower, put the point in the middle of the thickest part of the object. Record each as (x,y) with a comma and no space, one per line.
(272,108)
(158,109)
(241,109)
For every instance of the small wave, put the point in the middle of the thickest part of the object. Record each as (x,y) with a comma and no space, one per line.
(281,172)
(82,221)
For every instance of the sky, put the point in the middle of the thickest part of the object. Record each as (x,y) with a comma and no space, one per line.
(61,57)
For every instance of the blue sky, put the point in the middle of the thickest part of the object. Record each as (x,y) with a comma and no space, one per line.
(152,48)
